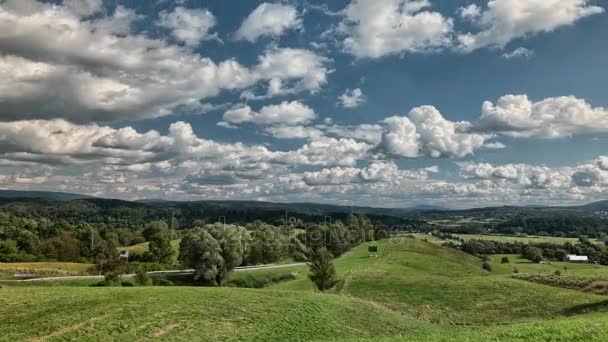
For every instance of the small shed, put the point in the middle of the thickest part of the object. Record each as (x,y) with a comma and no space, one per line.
(576,258)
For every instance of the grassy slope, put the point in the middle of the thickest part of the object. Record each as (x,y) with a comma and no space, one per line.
(413,290)
(438,284)
(141,248)
(192,314)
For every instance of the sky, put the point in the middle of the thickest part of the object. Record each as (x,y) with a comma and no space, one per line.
(385,103)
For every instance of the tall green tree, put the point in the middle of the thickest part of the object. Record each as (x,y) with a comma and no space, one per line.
(234,243)
(322,270)
(268,244)
(201,251)
(159,238)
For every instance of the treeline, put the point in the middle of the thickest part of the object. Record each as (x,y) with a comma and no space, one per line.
(535,252)
(214,250)
(555,225)
(28,239)
(135,215)
(545,224)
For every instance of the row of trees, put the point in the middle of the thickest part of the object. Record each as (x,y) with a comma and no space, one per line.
(535,252)
(214,250)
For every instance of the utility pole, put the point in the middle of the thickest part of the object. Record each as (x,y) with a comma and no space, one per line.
(92,240)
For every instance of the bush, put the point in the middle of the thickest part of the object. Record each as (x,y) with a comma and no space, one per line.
(486,266)
(126,283)
(142,278)
(515,270)
(261,280)
(557,273)
(504,260)
(533,254)
(18,257)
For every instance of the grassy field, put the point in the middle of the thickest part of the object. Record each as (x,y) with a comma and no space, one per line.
(8,270)
(413,290)
(141,248)
(514,238)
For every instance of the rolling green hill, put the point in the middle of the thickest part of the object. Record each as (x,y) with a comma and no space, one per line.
(412,290)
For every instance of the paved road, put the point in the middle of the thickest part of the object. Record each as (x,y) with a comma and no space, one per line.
(158,273)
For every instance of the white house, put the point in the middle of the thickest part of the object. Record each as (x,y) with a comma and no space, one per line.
(576,258)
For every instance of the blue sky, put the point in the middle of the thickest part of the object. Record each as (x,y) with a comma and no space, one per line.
(382,103)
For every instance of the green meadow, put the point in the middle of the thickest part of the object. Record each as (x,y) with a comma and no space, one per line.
(411,290)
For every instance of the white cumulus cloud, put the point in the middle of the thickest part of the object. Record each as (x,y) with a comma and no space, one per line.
(351,98)
(376,28)
(505,20)
(190,26)
(268,19)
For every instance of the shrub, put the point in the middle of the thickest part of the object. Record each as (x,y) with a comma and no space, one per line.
(533,254)
(557,273)
(261,280)
(142,278)
(486,266)
(515,270)
(126,283)
(504,260)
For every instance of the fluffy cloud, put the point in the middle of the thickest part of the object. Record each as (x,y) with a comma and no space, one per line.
(268,19)
(56,64)
(351,98)
(541,177)
(376,28)
(470,12)
(426,132)
(83,8)
(505,20)
(285,113)
(190,26)
(553,117)
(125,163)
(371,133)
(375,172)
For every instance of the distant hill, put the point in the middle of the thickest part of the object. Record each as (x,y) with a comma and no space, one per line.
(74,207)
(49,195)
(596,206)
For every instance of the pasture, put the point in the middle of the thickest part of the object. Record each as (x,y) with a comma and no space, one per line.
(412,290)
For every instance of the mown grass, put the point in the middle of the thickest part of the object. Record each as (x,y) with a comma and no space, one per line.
(202,314)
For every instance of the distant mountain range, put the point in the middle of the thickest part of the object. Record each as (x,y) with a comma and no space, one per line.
(308,207)
(50,195)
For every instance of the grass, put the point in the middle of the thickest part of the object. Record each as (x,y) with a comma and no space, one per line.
(202,314)
(43,269)
(412,290)
(68,267)
(524,239)
(141,248)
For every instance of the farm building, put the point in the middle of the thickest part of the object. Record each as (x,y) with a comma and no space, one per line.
(576,258)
